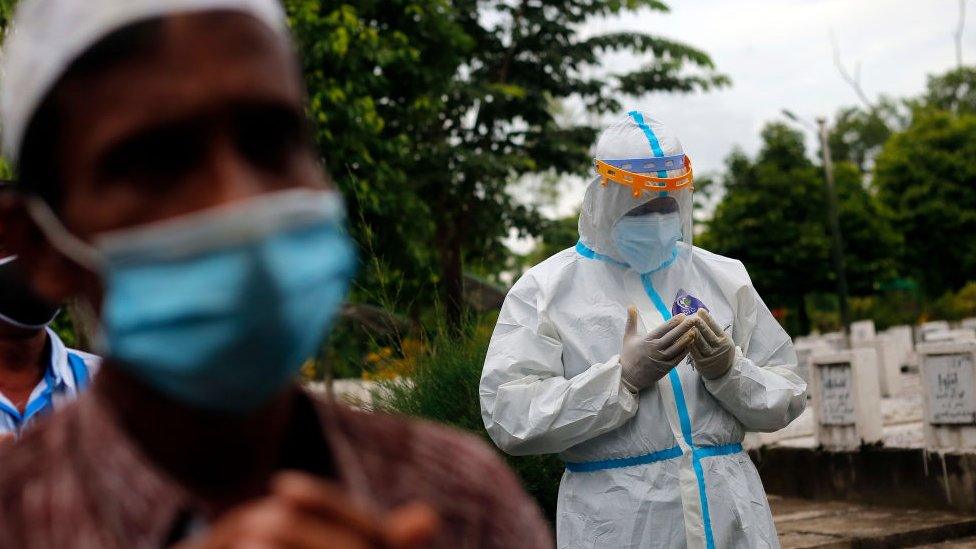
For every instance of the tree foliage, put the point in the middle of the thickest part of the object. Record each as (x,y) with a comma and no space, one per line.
(429,111)
(377,75)
(954,92)
(773,217)
(556,235)
(907,191)
(425,112)
(525,59)
(857,134)
(926,176)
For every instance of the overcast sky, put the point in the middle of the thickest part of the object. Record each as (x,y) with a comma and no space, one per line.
(779,55)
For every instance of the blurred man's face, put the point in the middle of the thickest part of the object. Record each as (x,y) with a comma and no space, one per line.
(214,115)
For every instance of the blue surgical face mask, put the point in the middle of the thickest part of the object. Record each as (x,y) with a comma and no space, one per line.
(219,309)
(647,242)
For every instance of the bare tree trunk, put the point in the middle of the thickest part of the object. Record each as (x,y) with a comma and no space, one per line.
(802,316)
(451,270)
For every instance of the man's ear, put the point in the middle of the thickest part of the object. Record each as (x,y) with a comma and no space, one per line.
(52,276)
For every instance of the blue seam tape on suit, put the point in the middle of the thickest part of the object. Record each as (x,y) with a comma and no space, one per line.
(713,451)
(651,138)
(697,453)
(586,252)
(685,419)
(679,396)
(653,457)
(617,463)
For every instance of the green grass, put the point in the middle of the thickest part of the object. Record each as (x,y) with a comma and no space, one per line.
(444,388)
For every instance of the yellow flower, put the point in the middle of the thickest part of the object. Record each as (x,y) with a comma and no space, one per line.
(308,369)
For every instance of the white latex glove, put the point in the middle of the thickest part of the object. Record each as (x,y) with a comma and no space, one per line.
(646,359)
(713,352)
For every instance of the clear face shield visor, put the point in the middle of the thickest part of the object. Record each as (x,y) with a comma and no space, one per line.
(669,190)
(650,214)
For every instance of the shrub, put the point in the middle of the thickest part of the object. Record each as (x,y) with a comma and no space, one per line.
(887,309)
(956,305)
(444,388)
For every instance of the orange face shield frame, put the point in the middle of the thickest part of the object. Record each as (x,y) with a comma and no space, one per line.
(640,183)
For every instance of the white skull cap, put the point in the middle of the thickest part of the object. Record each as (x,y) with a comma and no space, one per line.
(47,36)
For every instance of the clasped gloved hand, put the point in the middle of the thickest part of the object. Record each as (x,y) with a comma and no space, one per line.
(647,358)
(713,352)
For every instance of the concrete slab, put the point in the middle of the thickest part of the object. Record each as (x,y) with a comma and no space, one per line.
(832,524)
(794,540)
(966,543)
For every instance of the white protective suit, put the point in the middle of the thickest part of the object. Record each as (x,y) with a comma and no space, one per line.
(664,468)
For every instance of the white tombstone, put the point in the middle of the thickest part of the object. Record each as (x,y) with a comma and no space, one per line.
(964,334)
(846,399)
(948,372)
(836,340)
(943,336)
(888,366)
(803,357)
(898,351)
(806,348)
(862,331)
(806,341)
(899,339)
(931,326)
(864,336)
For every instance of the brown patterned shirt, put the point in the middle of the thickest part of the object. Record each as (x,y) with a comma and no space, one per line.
(78,481)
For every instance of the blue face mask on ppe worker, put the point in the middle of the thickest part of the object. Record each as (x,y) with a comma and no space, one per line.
(647,242)
(219,309)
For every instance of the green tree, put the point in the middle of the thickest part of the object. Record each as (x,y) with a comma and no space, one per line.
(927,178)
(501,118)
(857,134)
(773,218)
(556,235)
(769,219)
(954,91)
(871,242)
(6,13)
(426,112)
(377,75)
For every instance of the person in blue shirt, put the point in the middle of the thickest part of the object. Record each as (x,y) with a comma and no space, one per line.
(38,373)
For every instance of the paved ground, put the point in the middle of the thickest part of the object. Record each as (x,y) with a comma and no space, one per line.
(818,524)
(965,543)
